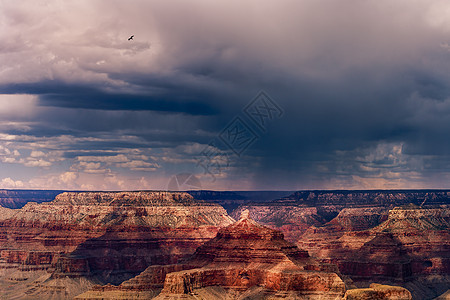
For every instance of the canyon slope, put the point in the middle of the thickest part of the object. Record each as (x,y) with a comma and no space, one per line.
(245,261)
(60,248)
(245,258)
(390,237)
(355,210)
(410,248)
(128,244)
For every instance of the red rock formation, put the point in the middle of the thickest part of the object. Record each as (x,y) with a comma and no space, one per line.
(293,221)
(368,198)
(382,258)
(378,292)
(241,256)
(357,219)
(108,236)
(410,245)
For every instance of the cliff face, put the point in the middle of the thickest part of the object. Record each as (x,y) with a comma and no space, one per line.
(293,221)
(145,241)
(417,219)
(366,236)
(370,198)
(379,292)
(349,210)
(242,256)
(409,247)
(109,237)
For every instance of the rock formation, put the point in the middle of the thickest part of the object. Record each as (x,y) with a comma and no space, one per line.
(355,210)
(378,292)
(242,256)
(369,198)
(101,237)
(367,236)
(406,249)
(143,243)
(293,221)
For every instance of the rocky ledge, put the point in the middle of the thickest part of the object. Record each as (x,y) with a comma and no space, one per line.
(104,236)
(379,292)
(410,248)
(242,256)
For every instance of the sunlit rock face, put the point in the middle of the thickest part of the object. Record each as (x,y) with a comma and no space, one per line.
(106,237)
(242,256)
(379,292)
(348,210)
(392,237)
(410,249)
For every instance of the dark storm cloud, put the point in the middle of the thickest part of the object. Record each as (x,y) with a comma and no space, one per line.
(59,94)
(363,85)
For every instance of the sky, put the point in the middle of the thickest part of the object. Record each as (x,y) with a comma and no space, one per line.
(238,95)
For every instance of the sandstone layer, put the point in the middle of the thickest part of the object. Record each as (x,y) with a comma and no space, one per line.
(378,292)
(294,221)
(242,256)
(355,210)
(368,198)
(410,248)
(103,237)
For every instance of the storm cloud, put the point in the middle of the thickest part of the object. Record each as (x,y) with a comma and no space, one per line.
(364,88)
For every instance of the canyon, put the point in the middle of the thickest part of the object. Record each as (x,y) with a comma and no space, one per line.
(400,238)
(126,245)
(86,238)
(245,261)
(242,255)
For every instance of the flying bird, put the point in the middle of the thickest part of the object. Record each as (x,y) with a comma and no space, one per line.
(130,38)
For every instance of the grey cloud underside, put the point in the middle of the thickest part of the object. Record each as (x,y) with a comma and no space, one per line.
(319,120)
(59,94)
(364,93)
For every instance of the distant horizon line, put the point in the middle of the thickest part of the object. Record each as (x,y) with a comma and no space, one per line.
(206,190)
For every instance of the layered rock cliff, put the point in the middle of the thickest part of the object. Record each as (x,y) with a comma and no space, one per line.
(410,248)
(355,210)
(378,292)
(106,237)
(368,198)
(241,257)
(294,221)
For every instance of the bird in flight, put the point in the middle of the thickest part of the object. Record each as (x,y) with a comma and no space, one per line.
(130,38)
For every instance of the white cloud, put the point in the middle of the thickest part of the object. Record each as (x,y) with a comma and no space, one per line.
(37,163)
(91,167)
(139,165)
(36,158)
(35,153)
(134,161)
(9,160)
(8,183)
(68,177)
(106,159)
